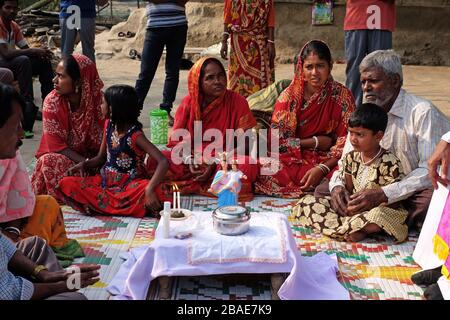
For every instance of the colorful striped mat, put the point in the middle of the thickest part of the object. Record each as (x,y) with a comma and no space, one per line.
(372,270)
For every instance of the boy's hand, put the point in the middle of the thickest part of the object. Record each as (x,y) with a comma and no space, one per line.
(340,198)
(365,200)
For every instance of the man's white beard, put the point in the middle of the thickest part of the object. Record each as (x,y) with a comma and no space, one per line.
(379,102)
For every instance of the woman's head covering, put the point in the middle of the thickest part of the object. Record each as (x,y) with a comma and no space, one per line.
(82,129)
(296,89)
(17,199)
(91,84)
(194,87)
(290,101)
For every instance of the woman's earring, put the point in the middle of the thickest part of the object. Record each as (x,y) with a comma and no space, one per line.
(77,89)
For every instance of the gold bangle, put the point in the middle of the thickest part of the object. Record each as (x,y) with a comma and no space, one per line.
(36,271)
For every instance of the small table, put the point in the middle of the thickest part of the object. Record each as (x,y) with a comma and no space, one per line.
(267,248)
(165,285)
(265,230)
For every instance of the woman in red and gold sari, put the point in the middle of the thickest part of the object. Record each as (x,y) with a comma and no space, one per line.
(211,104)
(72,122)
(311,116)
(251,26)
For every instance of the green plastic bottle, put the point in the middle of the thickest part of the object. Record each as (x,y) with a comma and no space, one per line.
(159,126)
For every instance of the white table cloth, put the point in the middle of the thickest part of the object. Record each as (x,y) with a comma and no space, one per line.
(310,277)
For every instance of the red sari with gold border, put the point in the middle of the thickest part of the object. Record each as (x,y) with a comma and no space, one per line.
(249,68)
(324,113)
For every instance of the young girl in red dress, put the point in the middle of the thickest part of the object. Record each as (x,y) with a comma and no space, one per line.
(122,187)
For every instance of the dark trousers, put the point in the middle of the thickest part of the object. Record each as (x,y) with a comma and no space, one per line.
(358,44)
(174,39)
(24,68)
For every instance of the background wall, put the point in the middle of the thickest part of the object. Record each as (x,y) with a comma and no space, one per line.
(422,35)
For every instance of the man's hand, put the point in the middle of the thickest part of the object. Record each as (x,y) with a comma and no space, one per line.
(441,156)
(340,198)
(41,53)
(311,178)
(365,200)
(87,272)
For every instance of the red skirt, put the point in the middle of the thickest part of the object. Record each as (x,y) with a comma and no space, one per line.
(88,196)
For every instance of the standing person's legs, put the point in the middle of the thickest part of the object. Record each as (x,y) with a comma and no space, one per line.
(176,40)
(43,68)
(378,40)
(21,67)
(87,35)
(68,36)
(152,52)
(355,51)
(6,76)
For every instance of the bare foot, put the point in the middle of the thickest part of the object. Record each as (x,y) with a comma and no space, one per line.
(363,233)
(355,236)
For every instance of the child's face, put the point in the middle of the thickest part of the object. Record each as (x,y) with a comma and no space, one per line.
(365,140)
(105,108)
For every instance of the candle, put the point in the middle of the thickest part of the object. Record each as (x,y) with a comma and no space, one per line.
(254,146)
(179,197)
(166,220)
(174,203)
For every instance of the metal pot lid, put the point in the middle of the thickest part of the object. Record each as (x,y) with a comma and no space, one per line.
(231,212)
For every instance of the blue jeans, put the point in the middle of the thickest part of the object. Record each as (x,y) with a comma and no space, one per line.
(174,39)
(87,36)
(359,43)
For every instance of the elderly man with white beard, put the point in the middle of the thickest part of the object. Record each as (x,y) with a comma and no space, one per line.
(415,126)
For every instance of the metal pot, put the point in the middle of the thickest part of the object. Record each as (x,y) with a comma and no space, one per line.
(231,220)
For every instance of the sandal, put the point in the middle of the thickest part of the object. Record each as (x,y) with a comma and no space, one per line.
(426,277)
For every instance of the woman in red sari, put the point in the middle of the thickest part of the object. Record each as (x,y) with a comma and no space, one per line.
(251,26)
(210,103)
(311,116)
(72,122)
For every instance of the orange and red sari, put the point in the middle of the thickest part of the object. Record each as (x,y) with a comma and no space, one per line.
(250,69)
(229,111)
(325,113)
(80,131)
